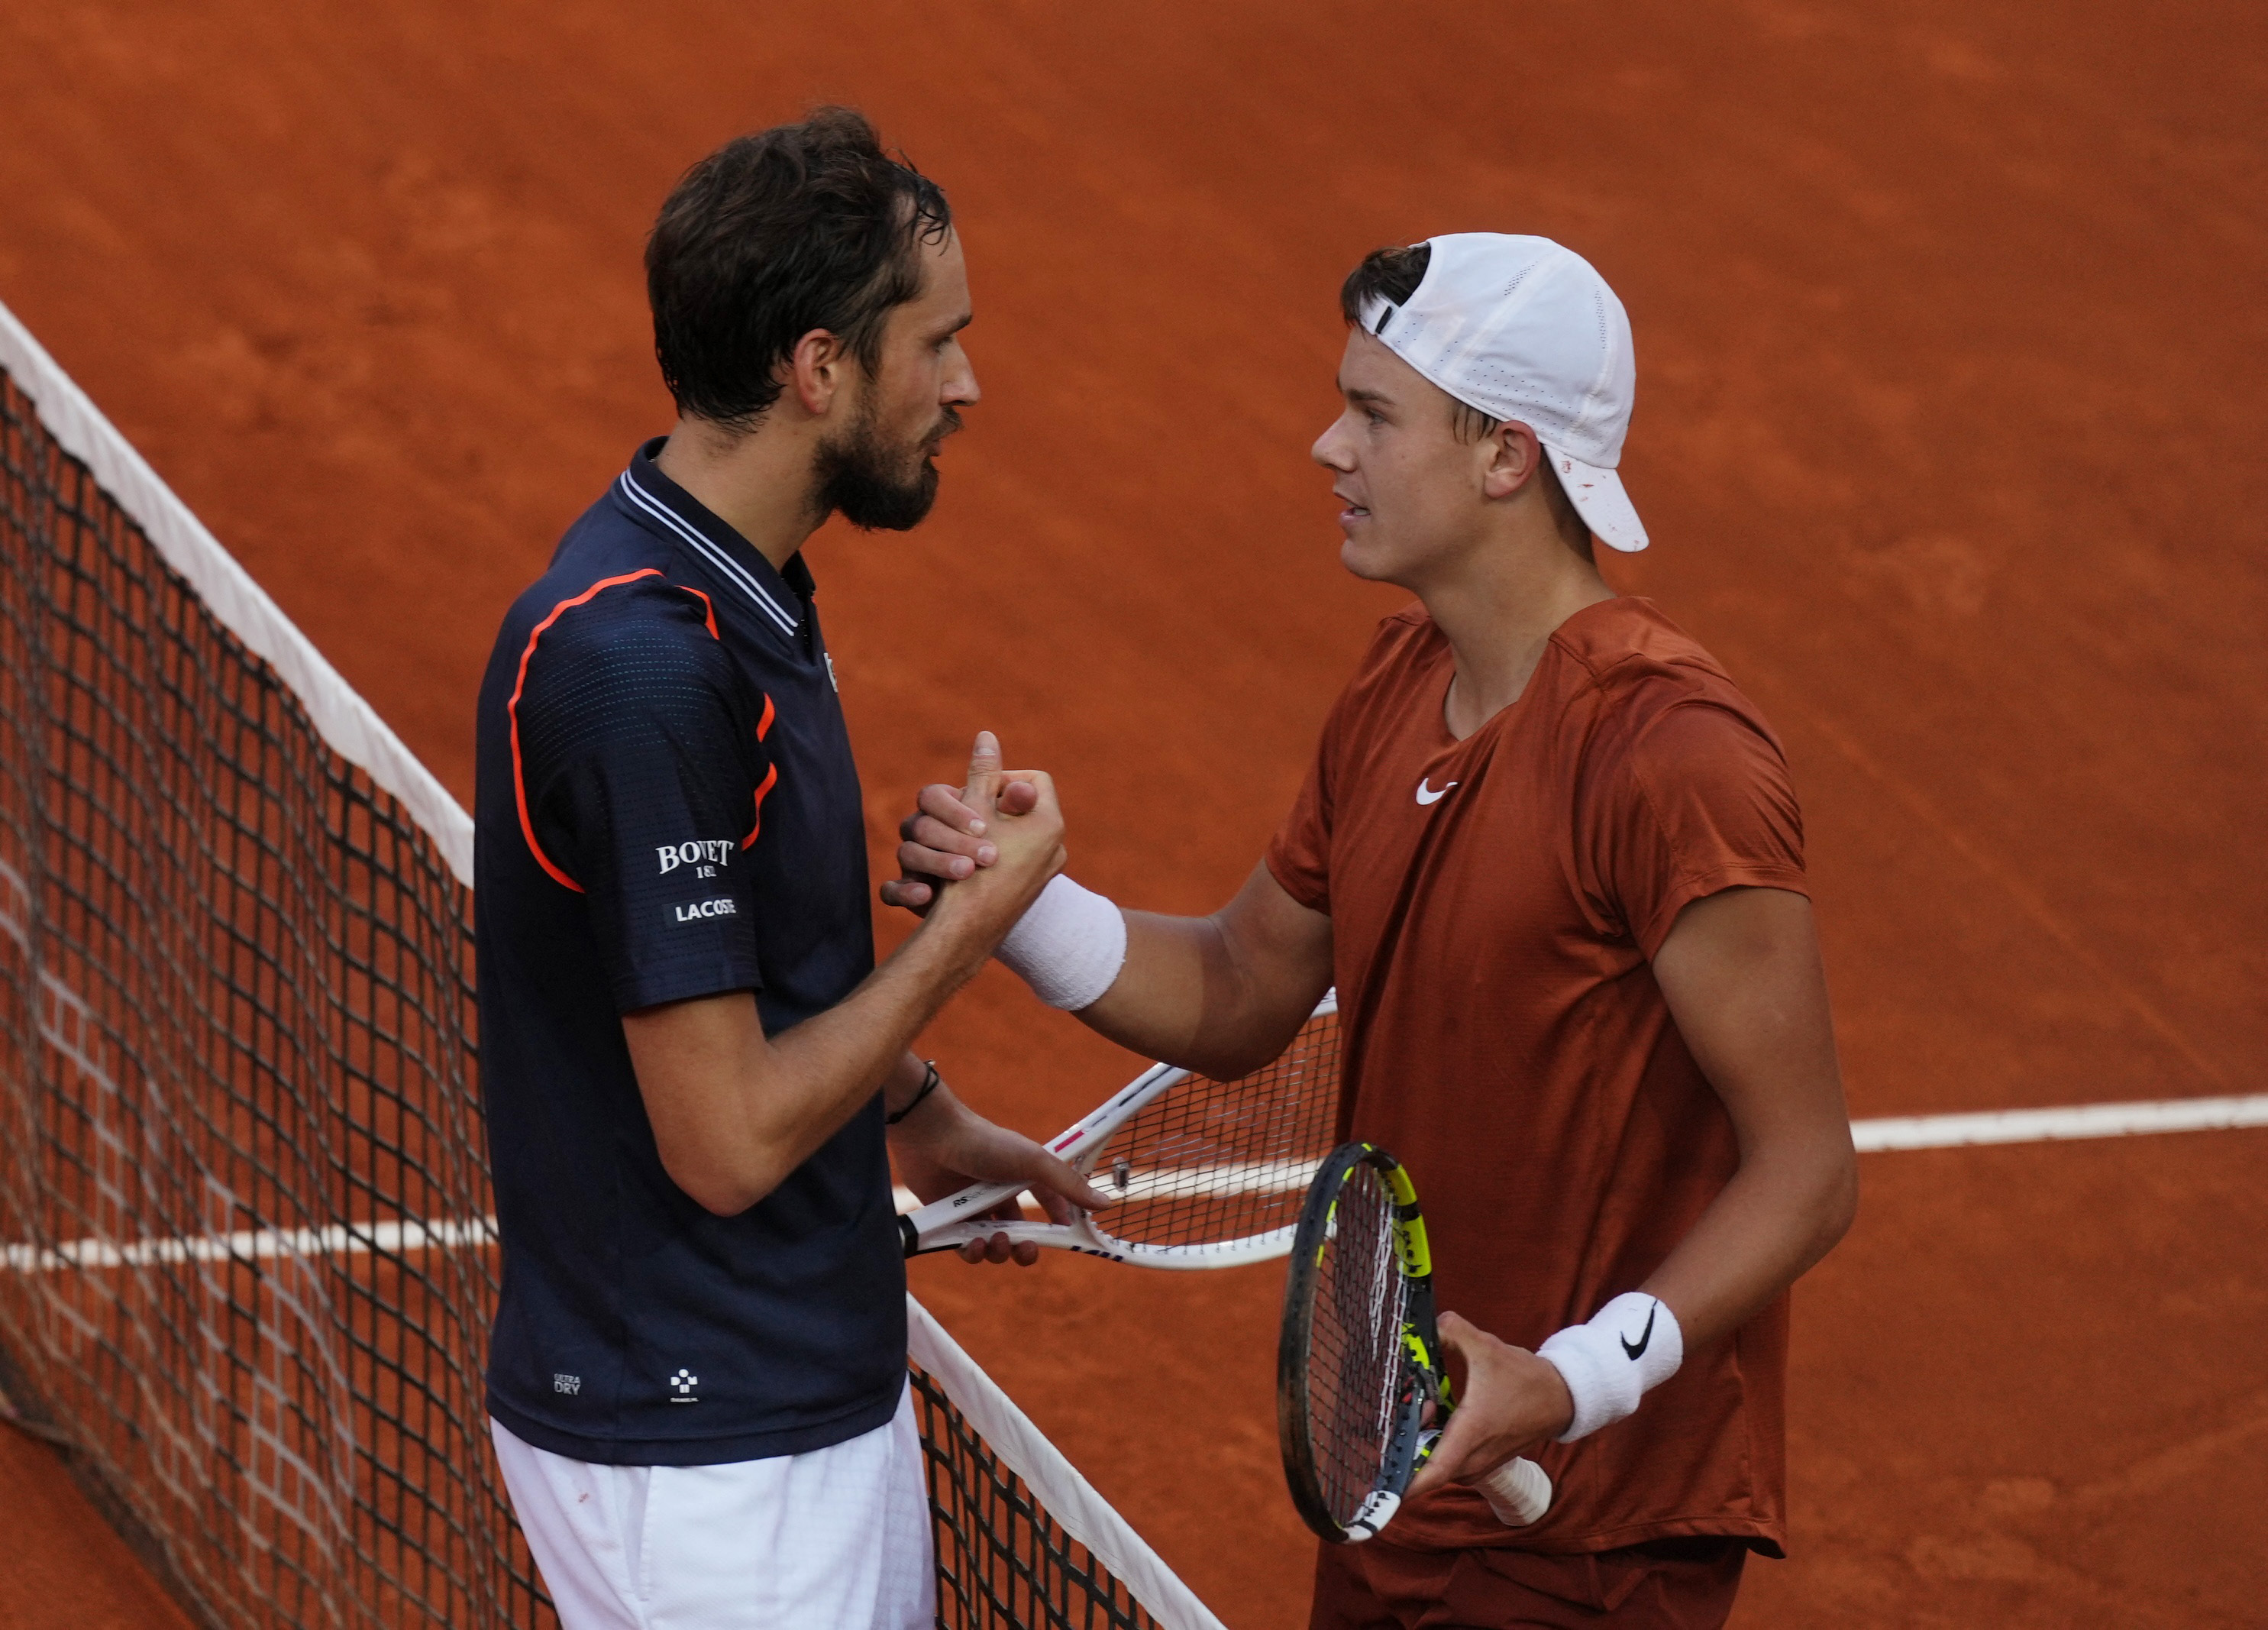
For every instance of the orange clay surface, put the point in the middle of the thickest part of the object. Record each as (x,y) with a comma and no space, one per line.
(1953,374)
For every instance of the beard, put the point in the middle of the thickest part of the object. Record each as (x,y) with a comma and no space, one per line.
(874,485)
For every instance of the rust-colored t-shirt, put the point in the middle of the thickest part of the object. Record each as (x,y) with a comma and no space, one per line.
(1494,904)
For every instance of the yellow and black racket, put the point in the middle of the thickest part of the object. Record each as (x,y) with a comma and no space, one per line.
(1360,1361)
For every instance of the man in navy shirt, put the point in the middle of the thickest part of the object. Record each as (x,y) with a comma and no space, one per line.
(697,1376)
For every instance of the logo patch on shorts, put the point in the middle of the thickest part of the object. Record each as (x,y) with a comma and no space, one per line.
(569,1385)
(681,1385)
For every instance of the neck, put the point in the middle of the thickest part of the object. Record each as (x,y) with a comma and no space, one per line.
(1498,607)
(758,484)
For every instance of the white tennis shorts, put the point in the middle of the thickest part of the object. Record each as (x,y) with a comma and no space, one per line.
(839,1537)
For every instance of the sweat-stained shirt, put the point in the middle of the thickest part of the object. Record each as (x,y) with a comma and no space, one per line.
(1494,904)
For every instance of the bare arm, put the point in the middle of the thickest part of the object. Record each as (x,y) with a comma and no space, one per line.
(1223,993)
(1740,973)
(939,1146)
(734,1111)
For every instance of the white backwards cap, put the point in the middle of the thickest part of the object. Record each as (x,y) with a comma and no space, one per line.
(1524,328)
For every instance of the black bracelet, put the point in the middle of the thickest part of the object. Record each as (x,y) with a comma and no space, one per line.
(929,1079)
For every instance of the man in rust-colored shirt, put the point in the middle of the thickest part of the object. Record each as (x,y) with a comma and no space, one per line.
(1494,904)
(1550,855)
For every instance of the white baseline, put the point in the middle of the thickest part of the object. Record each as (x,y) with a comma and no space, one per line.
(2081,1120)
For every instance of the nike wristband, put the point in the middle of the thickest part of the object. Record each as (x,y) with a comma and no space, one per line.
(1069,946)
(1632,1345)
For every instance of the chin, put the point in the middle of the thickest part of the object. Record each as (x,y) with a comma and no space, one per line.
(1366,561)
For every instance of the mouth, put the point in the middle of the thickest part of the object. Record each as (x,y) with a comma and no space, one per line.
(1352,511)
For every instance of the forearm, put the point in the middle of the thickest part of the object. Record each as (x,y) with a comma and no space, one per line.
(829,1065)
(734,1113)
(1223,993)
(1178,973)
(1782,1212)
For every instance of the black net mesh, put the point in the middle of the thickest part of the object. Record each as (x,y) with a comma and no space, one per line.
(1001,1559)
(245,1256)
(236,1078)
(1210,1162)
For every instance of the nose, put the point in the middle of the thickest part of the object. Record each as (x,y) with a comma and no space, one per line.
(959,386)
(1334,449)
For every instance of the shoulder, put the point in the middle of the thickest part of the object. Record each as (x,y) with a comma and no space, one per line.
(1662,725)
(1652,685)
(625,641)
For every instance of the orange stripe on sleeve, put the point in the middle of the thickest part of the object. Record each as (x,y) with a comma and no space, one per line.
(771,778)
(519,684)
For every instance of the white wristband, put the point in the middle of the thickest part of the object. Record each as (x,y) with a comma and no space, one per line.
(1632,1345)
(1069,946)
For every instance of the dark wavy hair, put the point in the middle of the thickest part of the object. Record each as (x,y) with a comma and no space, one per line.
(802,226)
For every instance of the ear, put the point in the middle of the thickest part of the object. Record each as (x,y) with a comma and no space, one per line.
(1513,456)
(817,370)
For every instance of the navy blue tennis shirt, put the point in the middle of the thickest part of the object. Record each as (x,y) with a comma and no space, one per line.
(668,809)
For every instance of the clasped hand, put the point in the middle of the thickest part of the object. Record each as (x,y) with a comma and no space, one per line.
(1510,1402)
(947,838)
(943,1147)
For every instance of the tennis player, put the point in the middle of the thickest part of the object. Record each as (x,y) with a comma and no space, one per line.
(692,1065)
(1550,855)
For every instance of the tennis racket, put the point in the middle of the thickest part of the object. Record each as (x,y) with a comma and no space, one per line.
(1359,1362)
(1207,1174)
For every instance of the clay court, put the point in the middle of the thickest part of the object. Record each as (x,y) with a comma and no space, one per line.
(1953,366)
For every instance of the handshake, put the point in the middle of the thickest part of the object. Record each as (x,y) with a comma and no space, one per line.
(997,840)
(999,836)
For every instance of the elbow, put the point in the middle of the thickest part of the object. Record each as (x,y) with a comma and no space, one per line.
(723,1190)
(1230,1064)
(1233,1055)
(1838,1207)
(724,1201)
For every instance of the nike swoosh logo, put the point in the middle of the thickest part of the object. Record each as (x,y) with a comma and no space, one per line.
(1636,1353)
(1427,795)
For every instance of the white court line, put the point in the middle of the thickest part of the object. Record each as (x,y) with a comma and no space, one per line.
(2082,1120)
(250,1245)
(1873,1137)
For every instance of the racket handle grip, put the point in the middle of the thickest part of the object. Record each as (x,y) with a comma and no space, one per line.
(1519,1492)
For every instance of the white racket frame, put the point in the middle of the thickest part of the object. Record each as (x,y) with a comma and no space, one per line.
(959,1220)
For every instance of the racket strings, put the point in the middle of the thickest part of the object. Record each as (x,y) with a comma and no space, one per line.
(1357,1380)
(1209,1162)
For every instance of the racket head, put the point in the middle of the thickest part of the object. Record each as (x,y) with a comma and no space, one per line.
(1349,1401)
(1209,1173)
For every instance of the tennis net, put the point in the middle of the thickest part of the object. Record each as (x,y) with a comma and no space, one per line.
(246,1259)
